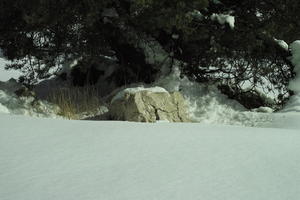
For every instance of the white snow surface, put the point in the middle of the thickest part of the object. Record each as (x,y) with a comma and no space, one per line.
(224,19)
(83,160)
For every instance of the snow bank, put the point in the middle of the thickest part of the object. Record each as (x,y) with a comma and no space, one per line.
(224,19)
(3,109)
(293,105)
(295,50)
(10,103)
(26,106)
(208,105)
(82,160)
(282,44)
(205,102)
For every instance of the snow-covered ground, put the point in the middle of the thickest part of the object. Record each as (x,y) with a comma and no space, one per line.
(84,160)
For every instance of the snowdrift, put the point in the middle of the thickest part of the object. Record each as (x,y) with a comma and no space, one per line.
(83,160)
(10,103)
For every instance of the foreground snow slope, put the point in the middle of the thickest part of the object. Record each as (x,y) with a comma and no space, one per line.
(84,160)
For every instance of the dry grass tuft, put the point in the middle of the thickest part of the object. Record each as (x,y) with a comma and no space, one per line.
(76,100)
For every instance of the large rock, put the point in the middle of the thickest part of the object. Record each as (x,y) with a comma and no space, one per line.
(149,105)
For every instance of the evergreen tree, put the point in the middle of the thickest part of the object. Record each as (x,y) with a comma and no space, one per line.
(40,35)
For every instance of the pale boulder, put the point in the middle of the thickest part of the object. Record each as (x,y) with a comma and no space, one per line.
(149,106)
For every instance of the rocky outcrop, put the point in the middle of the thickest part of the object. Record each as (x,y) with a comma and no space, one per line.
(149,106)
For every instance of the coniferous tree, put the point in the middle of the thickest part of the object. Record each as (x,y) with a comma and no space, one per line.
(40,35)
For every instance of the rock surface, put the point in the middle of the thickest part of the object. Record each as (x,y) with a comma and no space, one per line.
(148,106)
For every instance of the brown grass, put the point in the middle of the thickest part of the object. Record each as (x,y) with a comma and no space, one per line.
(76,100)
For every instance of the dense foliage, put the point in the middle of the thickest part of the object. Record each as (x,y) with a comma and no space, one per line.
(41,35)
